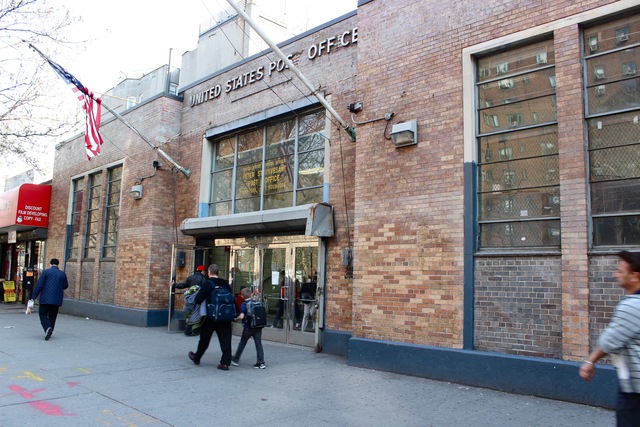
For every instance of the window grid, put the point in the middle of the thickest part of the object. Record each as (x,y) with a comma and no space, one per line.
(275,166)
(612,109)
(112,213)
(93,215)
(76,215)
(518,187)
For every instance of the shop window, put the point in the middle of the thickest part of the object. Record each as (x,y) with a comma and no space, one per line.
(613,133)
(513,209)
(112,212)
(93,215)
(278,165)
(74,235)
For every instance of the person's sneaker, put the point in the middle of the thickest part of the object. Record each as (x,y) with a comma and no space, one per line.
(193,358)
(47,334)
(260,365)
(234,362)
(223,367)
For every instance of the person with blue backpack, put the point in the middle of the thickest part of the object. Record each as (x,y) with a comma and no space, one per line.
(216,321)
(251,328)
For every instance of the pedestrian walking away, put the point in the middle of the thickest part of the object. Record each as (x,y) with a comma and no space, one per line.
(222,329)
(621,340)
(248,332)
(50,289)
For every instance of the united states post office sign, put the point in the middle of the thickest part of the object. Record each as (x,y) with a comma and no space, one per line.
(323,47)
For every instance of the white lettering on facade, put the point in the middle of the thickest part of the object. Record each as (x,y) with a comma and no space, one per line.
(324,47)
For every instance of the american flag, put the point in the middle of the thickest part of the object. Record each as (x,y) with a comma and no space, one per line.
(90,104)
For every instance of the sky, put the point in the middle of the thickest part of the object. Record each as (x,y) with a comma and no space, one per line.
(134,37)
(129,38)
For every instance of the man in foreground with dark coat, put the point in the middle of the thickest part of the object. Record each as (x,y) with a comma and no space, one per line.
(50,288)
(222,329)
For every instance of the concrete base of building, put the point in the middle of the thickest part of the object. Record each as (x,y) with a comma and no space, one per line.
(548,378)
(111,313)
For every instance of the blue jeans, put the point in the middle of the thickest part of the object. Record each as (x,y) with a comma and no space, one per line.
(247,333)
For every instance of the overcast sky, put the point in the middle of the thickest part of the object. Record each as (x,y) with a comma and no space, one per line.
(134,37)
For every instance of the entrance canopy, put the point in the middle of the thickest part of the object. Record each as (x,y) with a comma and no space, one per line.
(25,207)
(299,219)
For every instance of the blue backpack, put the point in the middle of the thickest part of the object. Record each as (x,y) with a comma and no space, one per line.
(222,307)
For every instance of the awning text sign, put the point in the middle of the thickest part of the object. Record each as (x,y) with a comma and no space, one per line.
(26,206)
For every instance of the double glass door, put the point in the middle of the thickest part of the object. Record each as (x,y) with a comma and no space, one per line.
(284,275)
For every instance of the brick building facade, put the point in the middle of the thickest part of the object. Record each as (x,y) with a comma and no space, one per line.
(483,254)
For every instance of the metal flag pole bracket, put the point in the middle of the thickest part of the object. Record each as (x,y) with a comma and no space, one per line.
(185,172)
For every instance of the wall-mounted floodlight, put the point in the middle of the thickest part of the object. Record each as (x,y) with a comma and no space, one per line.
(405,133)
(136,192)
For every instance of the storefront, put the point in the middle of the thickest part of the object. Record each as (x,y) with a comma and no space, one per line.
(24,218)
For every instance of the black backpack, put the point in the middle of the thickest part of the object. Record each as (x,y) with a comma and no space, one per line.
(256,314)
(222,307)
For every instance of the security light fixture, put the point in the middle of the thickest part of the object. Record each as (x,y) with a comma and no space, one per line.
(405,133)
(136,192)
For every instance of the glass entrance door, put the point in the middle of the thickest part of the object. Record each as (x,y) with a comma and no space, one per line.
(286,281)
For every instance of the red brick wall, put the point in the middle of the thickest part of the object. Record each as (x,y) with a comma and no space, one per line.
(140,277)
(408,219)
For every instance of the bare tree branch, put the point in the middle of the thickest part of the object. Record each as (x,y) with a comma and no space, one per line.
(30,118)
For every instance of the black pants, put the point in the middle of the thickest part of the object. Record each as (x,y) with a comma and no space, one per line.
(224,332)
(247,333)
(48,314)
(628,409)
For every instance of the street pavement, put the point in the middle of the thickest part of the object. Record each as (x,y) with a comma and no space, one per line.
(96,373)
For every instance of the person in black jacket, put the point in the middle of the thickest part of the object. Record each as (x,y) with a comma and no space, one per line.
(50,288)
(196,279)
(222,329)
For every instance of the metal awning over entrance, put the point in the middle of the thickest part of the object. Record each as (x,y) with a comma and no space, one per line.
(312,220)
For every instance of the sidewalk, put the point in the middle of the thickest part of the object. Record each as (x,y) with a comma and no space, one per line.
(94,373)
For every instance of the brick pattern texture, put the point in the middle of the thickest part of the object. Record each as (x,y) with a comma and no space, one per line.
(408,219)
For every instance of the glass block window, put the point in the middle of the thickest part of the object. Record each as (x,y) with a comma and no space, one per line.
(112,212)
(93,215)
(611,54)
(518,193)
(77,187)
(274,166)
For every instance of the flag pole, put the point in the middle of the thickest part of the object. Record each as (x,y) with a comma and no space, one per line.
(68,77)
(350,130)
(185,172)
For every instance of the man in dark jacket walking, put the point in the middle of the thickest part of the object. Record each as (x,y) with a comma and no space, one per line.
(50,288)
(196,279)
(222,329)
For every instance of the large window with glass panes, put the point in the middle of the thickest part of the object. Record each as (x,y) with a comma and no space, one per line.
(93,215)
(518,192)
(112,212)
(278,165)
(611,58)
(77,188)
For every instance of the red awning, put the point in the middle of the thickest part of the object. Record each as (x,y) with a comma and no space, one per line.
(25,207)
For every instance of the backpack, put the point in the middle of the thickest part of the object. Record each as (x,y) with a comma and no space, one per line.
(222,307)
(193,312)
(256,314)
